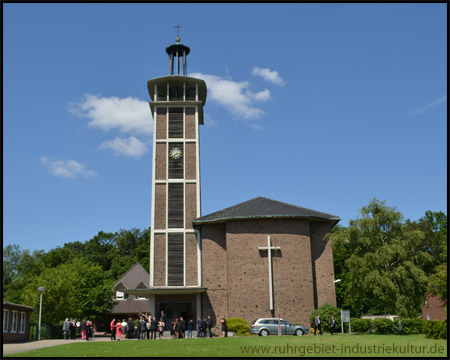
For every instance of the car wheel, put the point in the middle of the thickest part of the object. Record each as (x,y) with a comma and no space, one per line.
(263,333)
(299,332)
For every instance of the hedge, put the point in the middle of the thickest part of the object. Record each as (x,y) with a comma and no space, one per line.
(435,329)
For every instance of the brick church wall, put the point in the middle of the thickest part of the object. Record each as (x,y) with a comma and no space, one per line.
(248,286)
(160,260)
(214,272)
(322,256)
(191,260)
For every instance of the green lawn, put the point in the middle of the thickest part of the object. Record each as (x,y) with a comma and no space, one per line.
(339,345)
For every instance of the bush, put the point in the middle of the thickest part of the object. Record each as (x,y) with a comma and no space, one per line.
(326,311)
(238,326)
(409,326)
(435,329)
(359,325)
(381,326)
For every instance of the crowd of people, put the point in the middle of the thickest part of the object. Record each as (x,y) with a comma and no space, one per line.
(147,327)
(86,328)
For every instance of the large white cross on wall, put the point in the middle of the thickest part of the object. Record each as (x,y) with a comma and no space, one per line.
(269,249)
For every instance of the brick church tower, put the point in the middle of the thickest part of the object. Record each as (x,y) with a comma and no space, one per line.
(177,109)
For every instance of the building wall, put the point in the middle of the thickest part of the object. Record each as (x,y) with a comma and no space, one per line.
(322,257)
(248,286)
(15,335)
(214,272)
(432,309)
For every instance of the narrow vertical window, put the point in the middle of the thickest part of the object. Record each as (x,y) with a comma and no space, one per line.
(175,215)
(14,322)
(5,320)
(176,129)
(175,257)
(22,322)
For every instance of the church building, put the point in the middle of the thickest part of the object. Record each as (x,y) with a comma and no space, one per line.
(259,258)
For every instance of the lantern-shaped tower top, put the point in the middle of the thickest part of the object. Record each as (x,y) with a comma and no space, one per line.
(177,52)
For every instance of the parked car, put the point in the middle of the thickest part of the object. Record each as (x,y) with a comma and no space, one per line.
(269,326)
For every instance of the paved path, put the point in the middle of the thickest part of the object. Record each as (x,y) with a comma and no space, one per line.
(15,348)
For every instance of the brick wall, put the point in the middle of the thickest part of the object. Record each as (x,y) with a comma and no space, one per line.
(160,260)
(248,279)
(160,206)
(191,161)
(322,256)
(191,260)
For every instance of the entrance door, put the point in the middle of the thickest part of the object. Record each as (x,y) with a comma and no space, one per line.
(175,311)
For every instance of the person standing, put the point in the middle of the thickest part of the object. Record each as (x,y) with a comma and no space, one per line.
(209,325)
(190,327)
(112,326)
(332,324)
(162,317)
(118,330)
(224,326)
(142,328)
(66,328)
(204,326)
(83,330)
(130,328)
(182,328)
(124,326)
(89,330)
(153,327)
(199,327)
(161,326)
(318,325)
(73,329)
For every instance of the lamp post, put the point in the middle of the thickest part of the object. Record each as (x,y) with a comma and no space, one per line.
(41,290)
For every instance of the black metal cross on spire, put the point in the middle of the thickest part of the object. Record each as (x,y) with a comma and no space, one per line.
(178,29)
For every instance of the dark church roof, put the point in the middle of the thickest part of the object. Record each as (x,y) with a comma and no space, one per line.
(262,207)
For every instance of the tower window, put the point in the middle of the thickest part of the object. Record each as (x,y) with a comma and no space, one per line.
(175,257)
(175,215)
(176,123)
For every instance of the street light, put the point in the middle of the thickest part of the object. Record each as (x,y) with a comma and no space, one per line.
(335,281)
(41,290)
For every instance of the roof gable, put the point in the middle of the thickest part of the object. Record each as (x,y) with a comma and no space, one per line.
(135,276)
(262,207)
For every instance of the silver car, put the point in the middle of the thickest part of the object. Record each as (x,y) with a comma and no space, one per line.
(269,326)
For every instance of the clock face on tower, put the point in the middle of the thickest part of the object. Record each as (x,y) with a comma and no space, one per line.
(175,153)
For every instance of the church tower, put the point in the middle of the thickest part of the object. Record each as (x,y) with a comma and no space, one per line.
(175,249)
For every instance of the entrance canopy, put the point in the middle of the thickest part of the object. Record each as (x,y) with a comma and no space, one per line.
(164,290)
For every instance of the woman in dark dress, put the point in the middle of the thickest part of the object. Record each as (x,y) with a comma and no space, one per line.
(224,326)
(177,328)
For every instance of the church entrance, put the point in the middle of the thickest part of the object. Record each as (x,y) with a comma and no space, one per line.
(176,306)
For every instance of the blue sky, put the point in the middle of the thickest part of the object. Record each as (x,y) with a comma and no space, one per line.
(324,106)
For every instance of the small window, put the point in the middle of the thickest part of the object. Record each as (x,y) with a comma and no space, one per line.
(141,298)
(22,322)
(5,320)
(14,322)
(121,296)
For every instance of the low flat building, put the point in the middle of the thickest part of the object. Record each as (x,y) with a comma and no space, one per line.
(16,322)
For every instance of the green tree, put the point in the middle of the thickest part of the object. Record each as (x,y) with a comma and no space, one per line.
(11,259)
(434,243)
(74,289)
(383,261)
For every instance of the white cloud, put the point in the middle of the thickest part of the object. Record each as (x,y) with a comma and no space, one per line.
(68,168)
(430,105)
(128,147)
(268,75)
(235,96)
(128,115)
